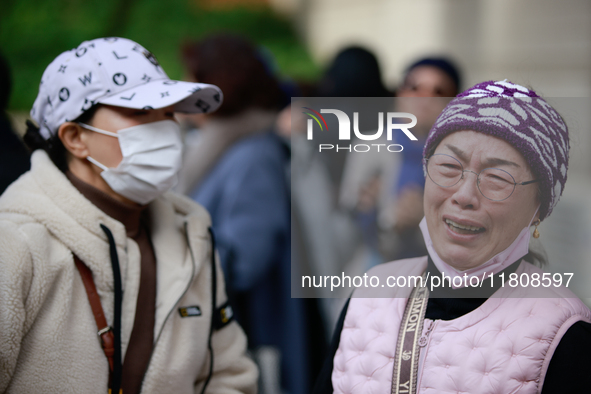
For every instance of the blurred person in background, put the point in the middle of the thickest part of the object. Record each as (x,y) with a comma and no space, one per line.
(91,242)
(496,164)
(429,84)
(354,72)
(14,158)
(386,190)
(324,235)
(238,170)
(430,77)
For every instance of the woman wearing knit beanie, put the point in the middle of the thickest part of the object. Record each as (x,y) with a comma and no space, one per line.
(475,315)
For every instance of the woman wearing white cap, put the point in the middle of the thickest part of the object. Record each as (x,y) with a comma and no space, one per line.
(91,242)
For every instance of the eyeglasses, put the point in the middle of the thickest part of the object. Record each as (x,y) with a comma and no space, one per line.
(493,183)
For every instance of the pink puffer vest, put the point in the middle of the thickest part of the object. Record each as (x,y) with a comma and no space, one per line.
(504,346)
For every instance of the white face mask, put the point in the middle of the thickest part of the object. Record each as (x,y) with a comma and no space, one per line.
(152,157)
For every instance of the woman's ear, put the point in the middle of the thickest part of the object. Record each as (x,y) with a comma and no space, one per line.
(72,136)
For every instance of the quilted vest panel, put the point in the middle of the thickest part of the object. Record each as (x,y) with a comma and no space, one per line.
(504,346)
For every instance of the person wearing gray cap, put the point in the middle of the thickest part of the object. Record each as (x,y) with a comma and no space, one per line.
(92,242)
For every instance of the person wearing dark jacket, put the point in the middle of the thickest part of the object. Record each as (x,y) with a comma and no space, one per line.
(14,158)
(238,171)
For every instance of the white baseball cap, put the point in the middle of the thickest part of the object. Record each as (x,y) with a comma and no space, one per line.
(113,71)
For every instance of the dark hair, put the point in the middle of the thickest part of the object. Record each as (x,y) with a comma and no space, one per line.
(354,72)
(441,63)
(5,83)
(238,68)
(53,145)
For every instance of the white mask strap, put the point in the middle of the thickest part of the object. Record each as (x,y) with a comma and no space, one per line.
(96,163)
(98,130)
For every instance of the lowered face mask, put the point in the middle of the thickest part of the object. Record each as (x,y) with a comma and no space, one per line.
(152,157)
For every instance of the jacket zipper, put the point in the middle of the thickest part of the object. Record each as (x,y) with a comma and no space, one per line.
(424,339)
(423,346)
(177,301)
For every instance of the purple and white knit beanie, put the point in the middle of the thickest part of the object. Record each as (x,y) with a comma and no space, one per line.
(519,116)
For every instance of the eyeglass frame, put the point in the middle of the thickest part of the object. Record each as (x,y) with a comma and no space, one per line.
(515,184)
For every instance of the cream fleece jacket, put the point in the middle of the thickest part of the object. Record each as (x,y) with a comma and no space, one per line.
(48,340)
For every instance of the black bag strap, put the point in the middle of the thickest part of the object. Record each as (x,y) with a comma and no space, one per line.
(110,336)
(117,362)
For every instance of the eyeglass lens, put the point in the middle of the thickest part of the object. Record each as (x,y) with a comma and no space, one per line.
(494,183)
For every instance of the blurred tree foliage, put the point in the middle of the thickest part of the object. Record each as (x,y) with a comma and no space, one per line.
(34,32)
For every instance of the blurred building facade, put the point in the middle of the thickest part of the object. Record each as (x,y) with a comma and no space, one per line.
(544,44)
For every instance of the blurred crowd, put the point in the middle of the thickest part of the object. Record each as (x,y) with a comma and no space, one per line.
(278,207)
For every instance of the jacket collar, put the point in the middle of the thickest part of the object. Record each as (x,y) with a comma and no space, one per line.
(126,213)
